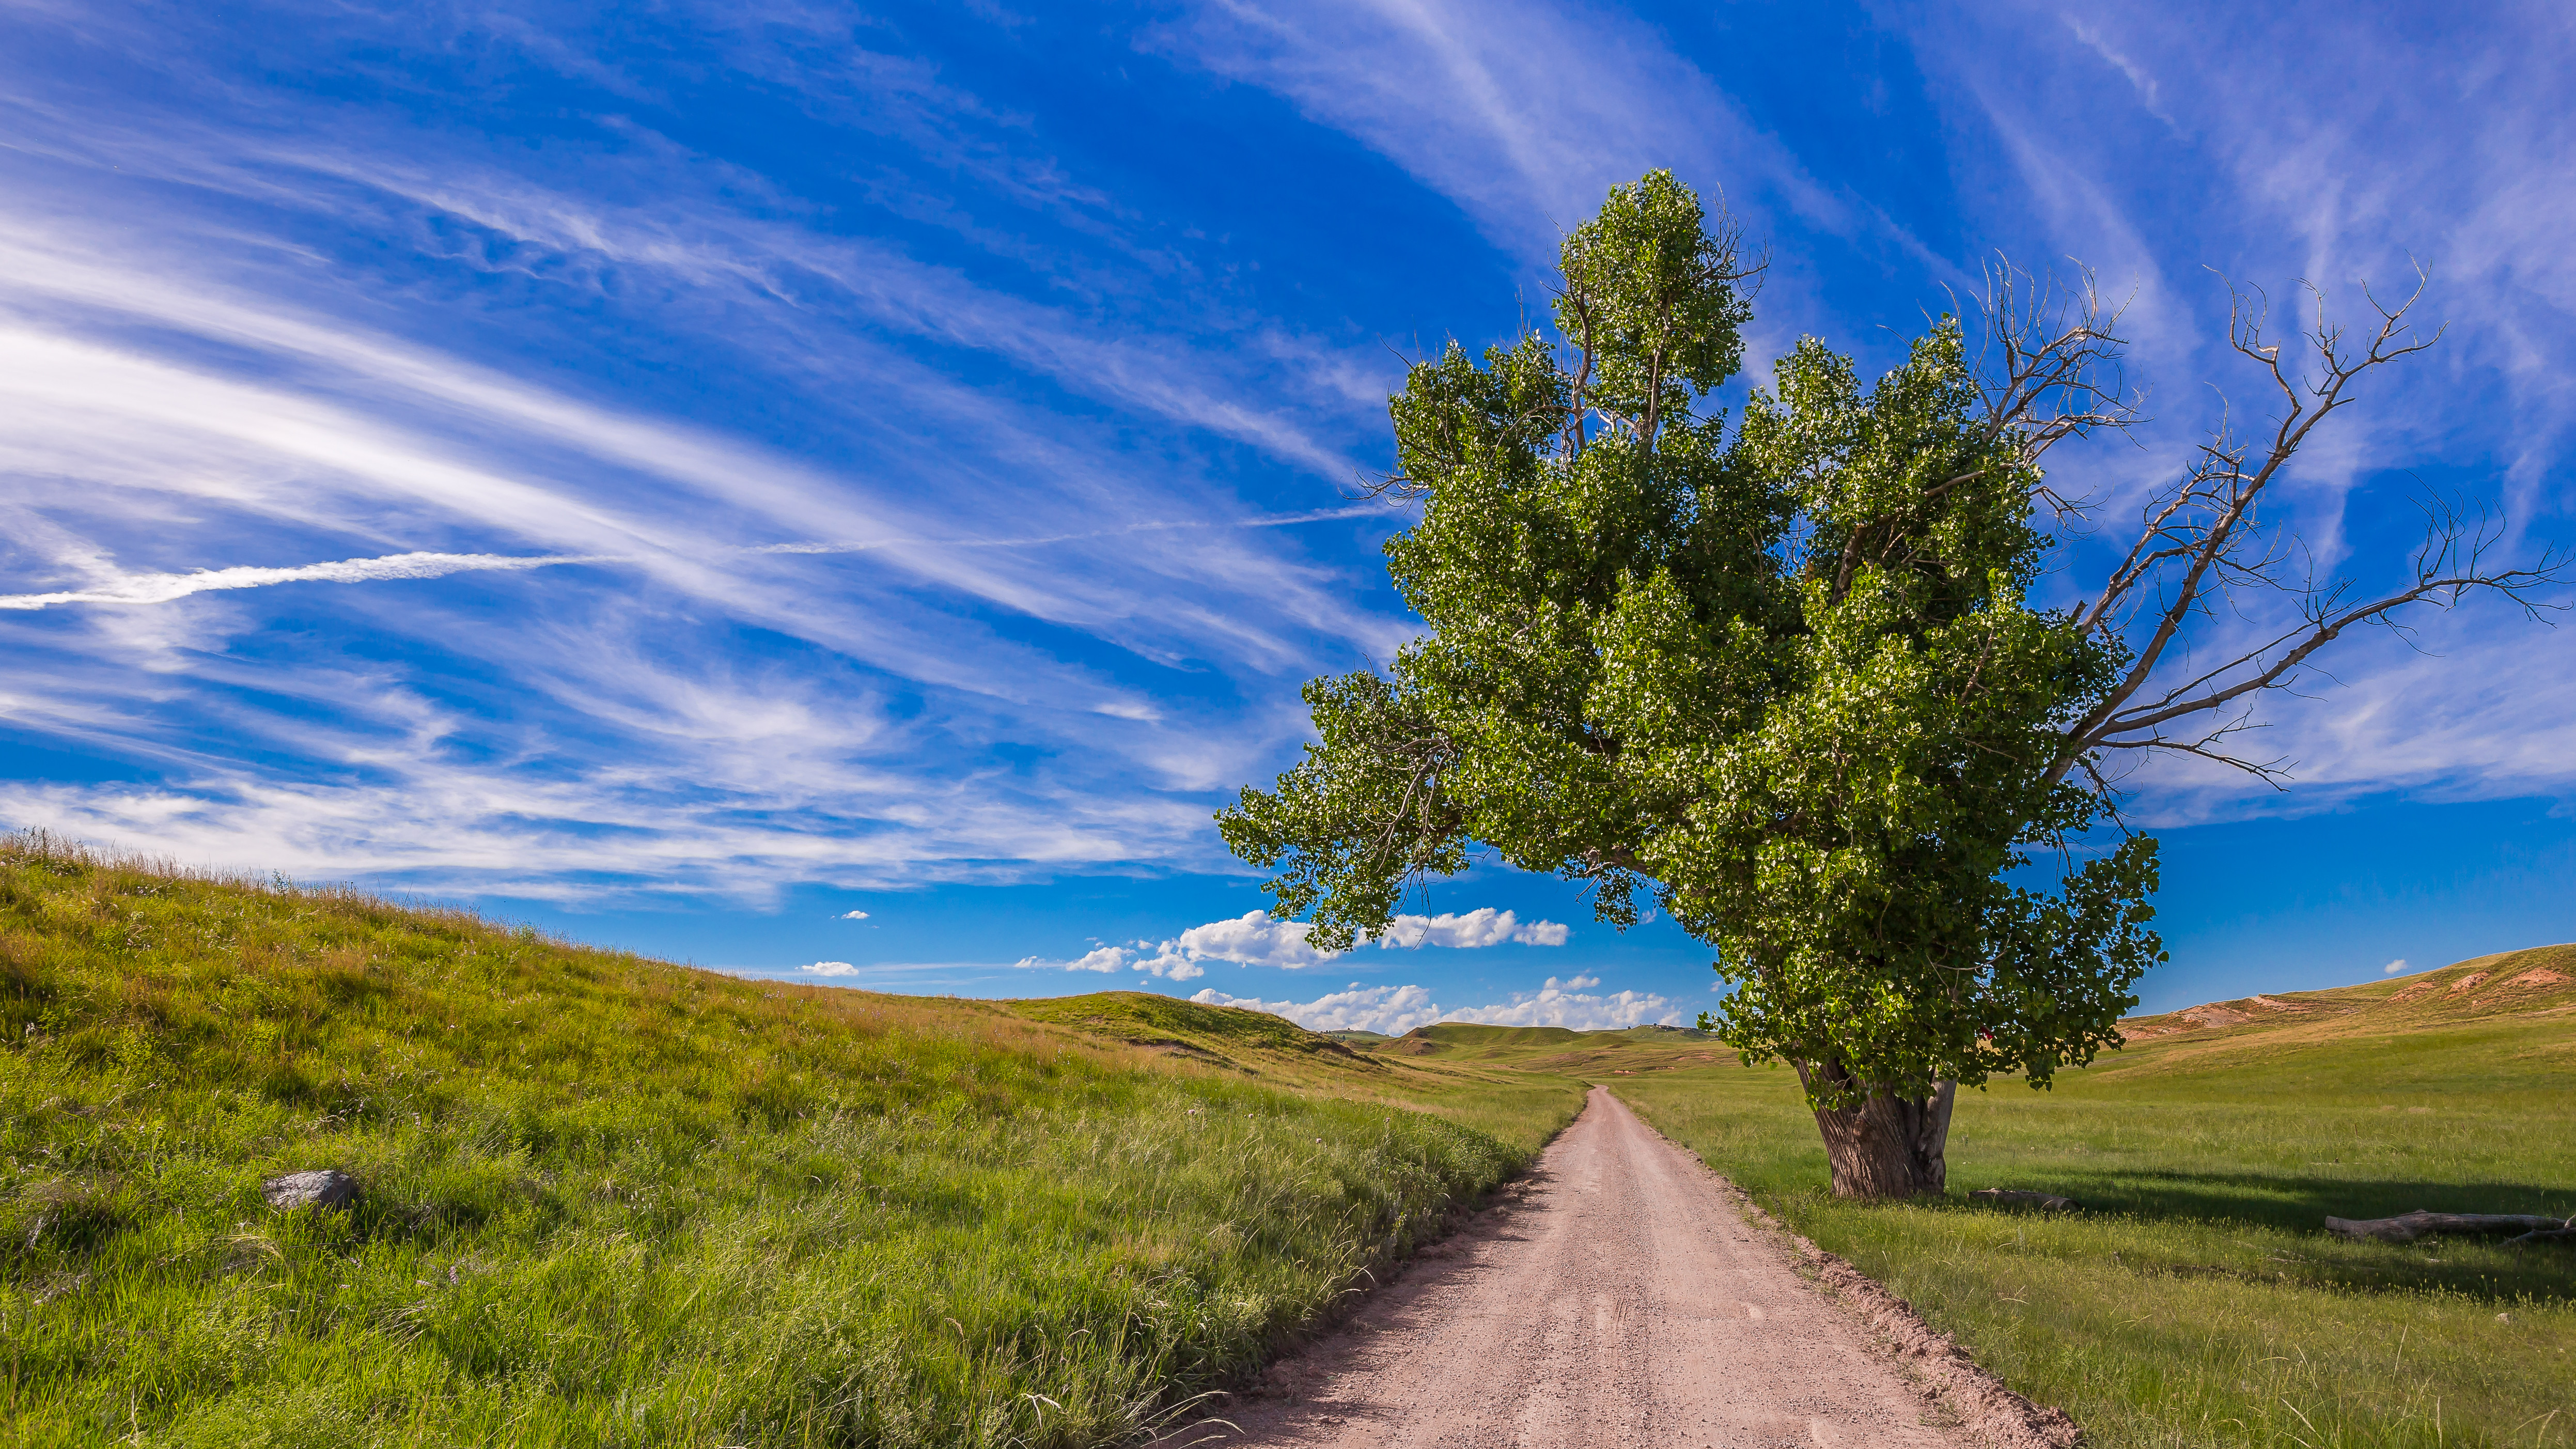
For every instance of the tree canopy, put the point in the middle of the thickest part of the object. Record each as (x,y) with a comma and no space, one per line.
(1785,678)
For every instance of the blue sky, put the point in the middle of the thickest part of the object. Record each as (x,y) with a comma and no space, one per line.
(683,475)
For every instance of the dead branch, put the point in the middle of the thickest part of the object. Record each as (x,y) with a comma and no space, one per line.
(2407,1227)
(2201,542)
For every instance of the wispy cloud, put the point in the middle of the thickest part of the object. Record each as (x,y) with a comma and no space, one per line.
(766,667)
(156,588)
(696,523)
(1522,113)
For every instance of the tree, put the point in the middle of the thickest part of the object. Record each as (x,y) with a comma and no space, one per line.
(1791,680)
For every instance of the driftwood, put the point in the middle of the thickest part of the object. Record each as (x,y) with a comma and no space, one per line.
(2047,1202)
(2420,1223)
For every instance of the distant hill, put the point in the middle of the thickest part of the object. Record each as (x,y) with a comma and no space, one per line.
(1232,1036)
(2539,980)
(1559,1049)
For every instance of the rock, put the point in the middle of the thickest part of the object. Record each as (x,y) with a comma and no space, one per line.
(327,1188)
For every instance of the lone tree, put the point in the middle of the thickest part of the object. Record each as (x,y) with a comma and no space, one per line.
(1790,679)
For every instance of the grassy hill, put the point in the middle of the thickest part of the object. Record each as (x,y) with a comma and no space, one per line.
(2197,1300)
(2538,982)
(610,1200)
(1556,1049)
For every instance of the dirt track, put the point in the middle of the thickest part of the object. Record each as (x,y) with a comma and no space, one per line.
(1622,1300)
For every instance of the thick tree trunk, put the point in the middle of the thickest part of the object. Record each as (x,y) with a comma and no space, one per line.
(1887,1146)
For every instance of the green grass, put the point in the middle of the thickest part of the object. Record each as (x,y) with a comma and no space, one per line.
(613,1201)
(2198,1300)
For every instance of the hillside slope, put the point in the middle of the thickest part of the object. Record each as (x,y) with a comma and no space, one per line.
(607,1199)
(2539,980)
(1556,1049)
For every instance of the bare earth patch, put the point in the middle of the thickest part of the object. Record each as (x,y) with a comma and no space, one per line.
(1620,1296)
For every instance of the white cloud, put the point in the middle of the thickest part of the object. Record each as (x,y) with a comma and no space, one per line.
(157,588)
(1552,1005)
(1393,1010)
(831,968)
(854,916)
(1168,963)
(1103,959)
(1253,939)
(1484,926)
(1110,959)
(1396,1010)
(1521,113)
(2393,967)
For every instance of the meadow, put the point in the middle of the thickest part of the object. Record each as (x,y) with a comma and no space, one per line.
(608,1200)
(2197,1300)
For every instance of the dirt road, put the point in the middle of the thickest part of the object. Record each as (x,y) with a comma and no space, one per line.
(1623,1301)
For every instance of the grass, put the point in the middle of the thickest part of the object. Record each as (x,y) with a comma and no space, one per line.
(2197,1300)
(608,1200)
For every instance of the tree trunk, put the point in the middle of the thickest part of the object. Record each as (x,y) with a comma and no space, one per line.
(1888,1146)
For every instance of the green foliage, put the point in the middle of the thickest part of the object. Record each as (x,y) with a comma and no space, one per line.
(1787,679)
(610,1200)
(2197,1301)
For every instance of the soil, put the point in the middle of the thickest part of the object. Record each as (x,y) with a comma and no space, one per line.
(1621,1296)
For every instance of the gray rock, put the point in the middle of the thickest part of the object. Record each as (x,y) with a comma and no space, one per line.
(328,1188)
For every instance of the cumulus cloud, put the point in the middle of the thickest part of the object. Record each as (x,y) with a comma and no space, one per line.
(2393,967)
(1255,939)
(1483,926)
(1555,1005)
(1393,1010)
(854,915)
(831,968)
(1140,956)
(1396,1010)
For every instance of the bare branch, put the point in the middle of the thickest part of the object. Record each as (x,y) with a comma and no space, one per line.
(2201,541)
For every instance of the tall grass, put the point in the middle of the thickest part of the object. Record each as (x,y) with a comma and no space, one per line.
(612,1201)
(2197,1301)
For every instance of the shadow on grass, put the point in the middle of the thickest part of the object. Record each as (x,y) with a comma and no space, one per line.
(2479,1267)
(2299,1204)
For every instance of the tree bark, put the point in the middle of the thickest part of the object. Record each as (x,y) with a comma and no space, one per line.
(1888,1146)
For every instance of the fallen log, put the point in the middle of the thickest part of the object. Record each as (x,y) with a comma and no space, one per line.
(2047,1202)
(2545,1235)
(2419,1223)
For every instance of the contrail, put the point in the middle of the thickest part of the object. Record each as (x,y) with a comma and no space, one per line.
(163,588)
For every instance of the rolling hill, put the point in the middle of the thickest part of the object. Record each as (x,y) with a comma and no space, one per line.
(596,1198)
(2540,980)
